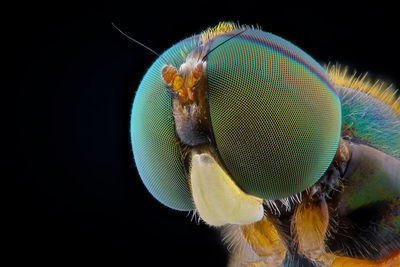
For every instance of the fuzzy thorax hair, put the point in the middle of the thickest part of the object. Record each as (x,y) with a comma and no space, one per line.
(370,110)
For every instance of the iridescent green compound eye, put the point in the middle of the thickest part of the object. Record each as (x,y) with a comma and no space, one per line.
(155,146)
(274,115)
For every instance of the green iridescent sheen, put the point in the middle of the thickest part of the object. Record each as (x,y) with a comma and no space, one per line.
(154,144)
(370,120)
(275,117)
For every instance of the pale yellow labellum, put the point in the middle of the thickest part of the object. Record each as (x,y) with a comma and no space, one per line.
(217,198)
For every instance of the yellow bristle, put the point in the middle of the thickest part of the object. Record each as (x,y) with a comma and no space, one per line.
(221,28)
(379,89)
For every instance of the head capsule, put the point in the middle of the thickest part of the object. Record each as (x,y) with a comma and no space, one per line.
(269,110)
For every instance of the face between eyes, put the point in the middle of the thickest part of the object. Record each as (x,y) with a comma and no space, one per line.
(252,121)
(184,87)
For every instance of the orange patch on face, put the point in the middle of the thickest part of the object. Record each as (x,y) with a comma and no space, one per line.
(168,73)
(184,88)
(177,83)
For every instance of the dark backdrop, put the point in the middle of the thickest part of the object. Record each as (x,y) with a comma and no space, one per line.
(76,197)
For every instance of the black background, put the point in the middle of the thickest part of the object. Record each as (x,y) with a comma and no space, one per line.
(76,197)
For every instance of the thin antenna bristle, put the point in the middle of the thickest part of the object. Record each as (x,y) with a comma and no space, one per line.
(139,43)
(224,42)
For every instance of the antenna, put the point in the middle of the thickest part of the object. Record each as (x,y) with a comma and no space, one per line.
(139,43)
(225,42)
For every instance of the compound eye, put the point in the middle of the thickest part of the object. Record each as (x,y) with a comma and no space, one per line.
(155,147)
(275,116)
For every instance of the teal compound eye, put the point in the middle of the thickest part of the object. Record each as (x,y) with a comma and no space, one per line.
(275,118)
(155,146)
